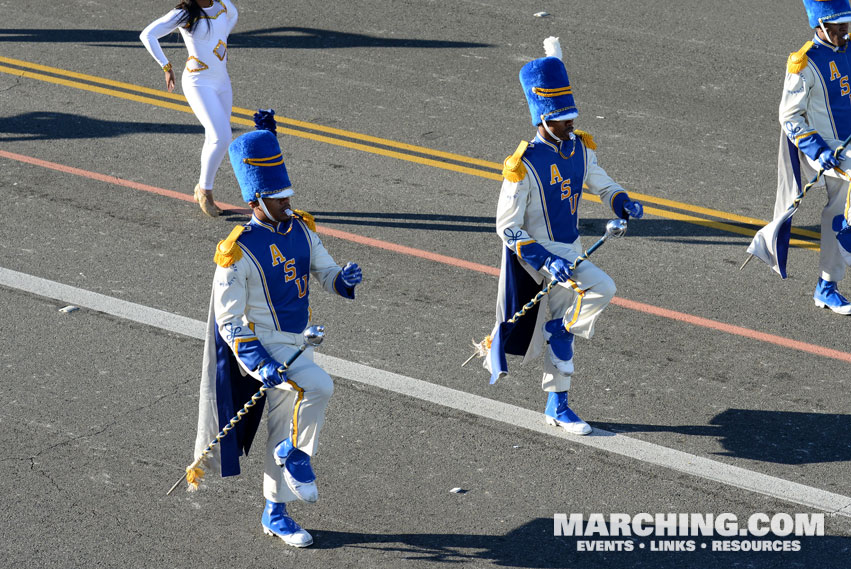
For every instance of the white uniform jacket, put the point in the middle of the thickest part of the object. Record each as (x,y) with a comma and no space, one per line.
(526,215)
(207,43)
(259,304)
(537,216)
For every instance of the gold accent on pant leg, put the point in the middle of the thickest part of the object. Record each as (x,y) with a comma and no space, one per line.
(296,407)
(580,294)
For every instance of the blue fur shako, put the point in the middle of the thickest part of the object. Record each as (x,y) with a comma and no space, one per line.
(827,11)
(259,166)
(548,90)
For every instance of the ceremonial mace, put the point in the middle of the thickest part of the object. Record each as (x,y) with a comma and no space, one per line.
(313,336)
(614,228)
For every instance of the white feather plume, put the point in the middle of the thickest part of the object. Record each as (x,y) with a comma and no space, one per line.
(552,48)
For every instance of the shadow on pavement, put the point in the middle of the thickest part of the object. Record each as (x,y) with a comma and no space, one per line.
(314,38)
(590,228)
(280,38)
(670,230)
(424,221)
(56,126)
(534,545)
(782,437)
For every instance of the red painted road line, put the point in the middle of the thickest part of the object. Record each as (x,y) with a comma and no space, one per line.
(237,209)
(370,242)
(96,176)
(735,330)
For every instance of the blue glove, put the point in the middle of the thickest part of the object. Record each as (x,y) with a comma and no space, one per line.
(559,268)
(269,374)
(351,275)
(634,209)
(827,160)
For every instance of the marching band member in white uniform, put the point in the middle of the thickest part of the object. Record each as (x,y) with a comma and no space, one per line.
(815,114)
(260,306)
(204,26)
(537,219)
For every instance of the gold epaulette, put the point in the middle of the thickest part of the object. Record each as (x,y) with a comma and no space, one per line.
(587,139)
(513,169)
(227,251)
(798,60)
(306,218)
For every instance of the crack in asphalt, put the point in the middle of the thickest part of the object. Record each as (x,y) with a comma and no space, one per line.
(16,84)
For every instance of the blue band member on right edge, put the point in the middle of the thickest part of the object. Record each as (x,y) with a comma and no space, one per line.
(815,115)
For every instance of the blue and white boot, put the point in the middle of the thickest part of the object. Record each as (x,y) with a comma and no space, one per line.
(277,522)
(560,345)
(560,415)
(298,474)
(826,296)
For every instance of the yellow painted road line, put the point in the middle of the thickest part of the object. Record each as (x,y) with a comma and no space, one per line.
(374,150)
(717,213)
(383,141)
(183,106)
(722,226)
(284,120)
(94,88)
(319,138)
(92,78)
(719,225)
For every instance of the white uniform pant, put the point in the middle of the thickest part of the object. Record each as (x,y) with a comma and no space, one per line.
(578,302)
(212,103)
(295,408)
(831,263)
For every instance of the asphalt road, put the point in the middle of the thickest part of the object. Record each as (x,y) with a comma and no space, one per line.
(99,411)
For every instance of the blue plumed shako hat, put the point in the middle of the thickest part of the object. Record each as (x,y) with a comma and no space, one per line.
(827,12)
(259,166)
(548,90)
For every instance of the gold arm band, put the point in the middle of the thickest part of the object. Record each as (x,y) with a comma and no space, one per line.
(275,160)
(541,92)
(167,67)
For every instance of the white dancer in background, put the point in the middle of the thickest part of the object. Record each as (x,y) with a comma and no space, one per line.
(205,26)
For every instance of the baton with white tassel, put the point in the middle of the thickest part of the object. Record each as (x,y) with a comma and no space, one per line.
(313,336)
(614,228)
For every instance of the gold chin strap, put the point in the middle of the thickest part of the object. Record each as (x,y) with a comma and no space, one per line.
(547,128)
(266,211)
(827,36)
